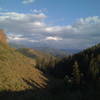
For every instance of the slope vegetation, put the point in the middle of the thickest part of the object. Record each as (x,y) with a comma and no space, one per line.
(14,67)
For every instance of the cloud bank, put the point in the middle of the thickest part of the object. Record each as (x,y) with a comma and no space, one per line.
(27,1)
(32,30)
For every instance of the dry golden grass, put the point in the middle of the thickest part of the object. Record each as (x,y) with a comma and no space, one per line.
(14,67)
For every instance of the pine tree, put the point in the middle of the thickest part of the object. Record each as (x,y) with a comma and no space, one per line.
(76,73)
(94,69)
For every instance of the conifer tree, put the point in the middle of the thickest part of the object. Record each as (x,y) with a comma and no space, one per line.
(76,73)
(94,69)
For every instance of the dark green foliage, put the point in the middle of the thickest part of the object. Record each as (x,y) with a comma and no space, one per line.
(76,73)
(95,68)
(82,71)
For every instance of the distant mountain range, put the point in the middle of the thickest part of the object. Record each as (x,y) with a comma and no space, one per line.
(55,52)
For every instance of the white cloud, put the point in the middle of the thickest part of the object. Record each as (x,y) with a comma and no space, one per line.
(39,10)
(31,29)
(53,38)
(27,1)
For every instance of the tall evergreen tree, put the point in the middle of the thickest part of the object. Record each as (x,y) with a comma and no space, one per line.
(76,73)
(94,68)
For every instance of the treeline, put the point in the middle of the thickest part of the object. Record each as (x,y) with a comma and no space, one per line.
(44,61)
(87,60)
(81,73)
(85,65)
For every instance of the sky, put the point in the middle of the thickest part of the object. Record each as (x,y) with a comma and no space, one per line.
(61,24)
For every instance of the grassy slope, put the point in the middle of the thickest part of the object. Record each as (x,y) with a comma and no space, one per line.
(32,53)
(14,67)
